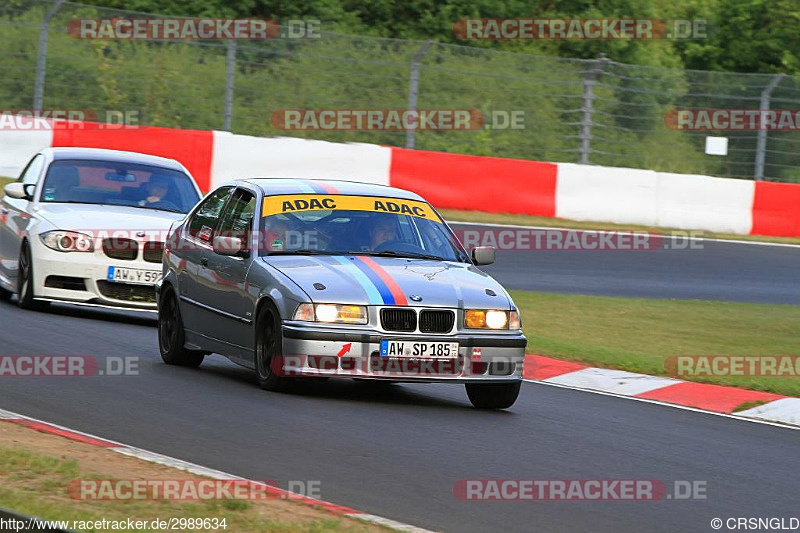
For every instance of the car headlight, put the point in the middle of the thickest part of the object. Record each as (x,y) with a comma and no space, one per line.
(67,241)
(332,313)
(491,319)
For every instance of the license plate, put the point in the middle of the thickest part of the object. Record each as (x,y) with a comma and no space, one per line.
(395,348)
(133,275)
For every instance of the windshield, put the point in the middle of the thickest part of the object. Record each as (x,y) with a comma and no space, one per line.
(114,183)
(364,225)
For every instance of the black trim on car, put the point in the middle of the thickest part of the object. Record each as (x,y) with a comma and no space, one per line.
(292,332)
(215,310)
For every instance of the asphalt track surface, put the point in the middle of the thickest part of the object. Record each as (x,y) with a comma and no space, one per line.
(397,450)
(708,270)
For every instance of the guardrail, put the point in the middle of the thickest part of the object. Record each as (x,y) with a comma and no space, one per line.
(491,184)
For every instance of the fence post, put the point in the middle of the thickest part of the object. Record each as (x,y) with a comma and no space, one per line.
(761,144)
(41,59)
(413,89)
(230,71)
(589,81)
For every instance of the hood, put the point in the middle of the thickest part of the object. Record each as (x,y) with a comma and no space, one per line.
(105,217)
(392,281)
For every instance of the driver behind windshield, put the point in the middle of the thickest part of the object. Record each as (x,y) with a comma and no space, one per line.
(276,235)
(157,189)
(384,230)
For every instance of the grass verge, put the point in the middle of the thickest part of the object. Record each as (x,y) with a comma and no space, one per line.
(638,335)
(526,220)
(4,181)
(35,470)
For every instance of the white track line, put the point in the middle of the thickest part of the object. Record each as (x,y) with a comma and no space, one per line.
(673,405)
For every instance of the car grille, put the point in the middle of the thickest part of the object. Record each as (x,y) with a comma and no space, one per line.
(436,321)
(124,249)
(127,292)
(399,319)
(153,251)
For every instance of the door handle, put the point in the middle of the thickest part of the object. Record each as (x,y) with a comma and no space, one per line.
(204,262)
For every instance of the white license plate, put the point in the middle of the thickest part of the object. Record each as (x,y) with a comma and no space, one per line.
(133,275)
(395,348)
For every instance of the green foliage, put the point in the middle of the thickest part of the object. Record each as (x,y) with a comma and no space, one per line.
(182,84)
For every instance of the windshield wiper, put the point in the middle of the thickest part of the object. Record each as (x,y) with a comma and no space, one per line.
(112,204)
(392,253)
(301,252)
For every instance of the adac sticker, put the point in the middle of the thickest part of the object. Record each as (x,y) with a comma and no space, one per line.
(275,205)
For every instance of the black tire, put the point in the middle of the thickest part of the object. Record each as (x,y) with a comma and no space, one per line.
(171,337)
(269,345)
(493,395)
(4,294)
(25,294)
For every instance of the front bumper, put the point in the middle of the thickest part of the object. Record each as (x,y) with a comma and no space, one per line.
(314,351)
(52,268)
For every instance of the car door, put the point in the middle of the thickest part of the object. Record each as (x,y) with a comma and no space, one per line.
(192,250)
(15,218)
(229,294)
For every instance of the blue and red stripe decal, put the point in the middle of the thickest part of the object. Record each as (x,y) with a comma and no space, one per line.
(387,286)
(319,187)
(380,286)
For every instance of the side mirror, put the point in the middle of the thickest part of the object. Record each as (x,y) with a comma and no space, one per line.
(231,246)
(18,190)
(483,255)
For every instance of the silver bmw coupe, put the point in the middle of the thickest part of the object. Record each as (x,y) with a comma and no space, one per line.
(300,279)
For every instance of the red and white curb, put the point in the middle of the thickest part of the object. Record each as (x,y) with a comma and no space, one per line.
(716,399)
(152,457)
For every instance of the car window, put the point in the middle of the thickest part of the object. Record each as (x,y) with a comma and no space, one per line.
(238,216)
(204,220)
(119,183)
(341,224)
(30,175)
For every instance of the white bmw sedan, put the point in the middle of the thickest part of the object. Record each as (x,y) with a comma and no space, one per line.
(87,226)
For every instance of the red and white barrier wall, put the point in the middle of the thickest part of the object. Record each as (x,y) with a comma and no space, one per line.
(563,190)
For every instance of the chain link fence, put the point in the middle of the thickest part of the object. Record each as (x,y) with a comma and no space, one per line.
(584,111)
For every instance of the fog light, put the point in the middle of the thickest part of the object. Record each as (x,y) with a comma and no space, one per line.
(475,319)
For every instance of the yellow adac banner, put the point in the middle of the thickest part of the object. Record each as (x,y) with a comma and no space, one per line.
(294,203)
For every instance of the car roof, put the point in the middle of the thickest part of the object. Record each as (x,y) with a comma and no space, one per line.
(280,186)
(118,156)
